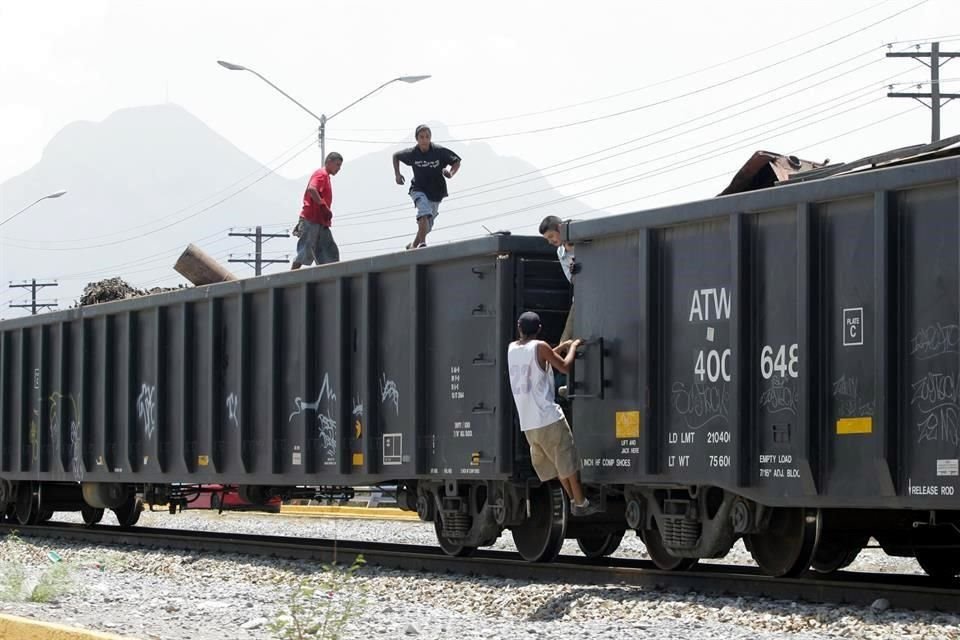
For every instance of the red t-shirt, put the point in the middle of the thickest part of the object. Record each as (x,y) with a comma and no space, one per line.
(320,180)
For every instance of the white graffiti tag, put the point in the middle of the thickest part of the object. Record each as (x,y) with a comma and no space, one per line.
(72,408)
(147,409)
(76,451)
(357,408)
(233,409)
(389,392)
(326,422)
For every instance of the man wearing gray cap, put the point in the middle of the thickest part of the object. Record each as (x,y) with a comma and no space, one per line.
(430,164)
(552,451)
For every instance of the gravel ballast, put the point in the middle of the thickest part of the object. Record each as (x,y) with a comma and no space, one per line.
(178,595)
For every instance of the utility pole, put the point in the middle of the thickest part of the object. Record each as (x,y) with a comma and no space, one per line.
(937,59)
(33,305)
(257,260)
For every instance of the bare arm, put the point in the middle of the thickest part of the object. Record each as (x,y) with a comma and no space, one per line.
(547,355)
(452,171)
(396,168)
(314,196)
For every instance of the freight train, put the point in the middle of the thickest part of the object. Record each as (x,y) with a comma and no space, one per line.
(777,365)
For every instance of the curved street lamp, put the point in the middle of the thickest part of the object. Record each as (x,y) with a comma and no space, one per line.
(55,194)
(323,117)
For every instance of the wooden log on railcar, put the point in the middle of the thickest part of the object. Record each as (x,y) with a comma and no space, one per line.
(200,268)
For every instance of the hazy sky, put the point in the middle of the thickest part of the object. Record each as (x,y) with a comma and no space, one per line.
(635,69)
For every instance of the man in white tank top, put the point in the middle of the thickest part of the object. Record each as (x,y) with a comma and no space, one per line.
(552,450)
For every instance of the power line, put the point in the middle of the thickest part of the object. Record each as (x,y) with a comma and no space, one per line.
(726,174)
(169,276)
(266,166)
(699,147)
(127,272)
(537,172)
(143,260)
(652,85)
(668,100)
(610,115)
(33,305)
(784,119)
(181,220)
(639,177)
(257,261)
(934,95)
(13,299)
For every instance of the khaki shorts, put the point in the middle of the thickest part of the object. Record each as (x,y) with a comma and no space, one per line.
(552,451)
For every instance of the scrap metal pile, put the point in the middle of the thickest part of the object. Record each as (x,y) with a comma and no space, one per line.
(116,289)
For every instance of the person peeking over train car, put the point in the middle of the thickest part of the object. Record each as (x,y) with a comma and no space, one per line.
(552,450)
(550,230)
(316,244)
(432,165)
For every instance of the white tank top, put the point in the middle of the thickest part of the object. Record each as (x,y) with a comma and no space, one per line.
(532,387)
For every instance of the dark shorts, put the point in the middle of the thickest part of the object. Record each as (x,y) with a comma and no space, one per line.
(316,245)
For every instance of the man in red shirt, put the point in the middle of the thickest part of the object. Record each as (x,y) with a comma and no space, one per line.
(316,243)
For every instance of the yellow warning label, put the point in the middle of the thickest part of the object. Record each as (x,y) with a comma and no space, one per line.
(203,460)
(358,459)
(475,458)
(846,426)
(628,424)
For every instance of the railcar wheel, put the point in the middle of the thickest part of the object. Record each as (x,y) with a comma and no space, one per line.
(91,515)
(833,553)
(942,564)
(540,537)
(129,513)
(600,545)
(661,557)
(27,505)
(45,516)
(789,544)
(450,547)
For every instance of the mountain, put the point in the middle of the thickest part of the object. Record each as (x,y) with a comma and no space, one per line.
(143,169)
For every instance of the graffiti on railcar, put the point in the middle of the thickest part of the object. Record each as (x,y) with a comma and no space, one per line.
(233,410)
(847,393)
(935,398)
(323,407)
(147,409)
(780,396)
(934,392)
(72,412)
(389,393)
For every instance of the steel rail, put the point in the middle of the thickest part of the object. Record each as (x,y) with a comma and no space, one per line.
(902,591)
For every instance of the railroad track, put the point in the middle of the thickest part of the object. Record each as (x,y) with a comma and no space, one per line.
(903,591)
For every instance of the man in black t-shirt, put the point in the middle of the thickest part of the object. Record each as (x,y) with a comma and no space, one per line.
(429,186)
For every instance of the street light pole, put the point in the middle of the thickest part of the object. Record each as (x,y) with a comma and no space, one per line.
(323,118)
(55,194)
(49,196)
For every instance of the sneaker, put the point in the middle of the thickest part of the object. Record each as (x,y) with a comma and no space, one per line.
(585,509)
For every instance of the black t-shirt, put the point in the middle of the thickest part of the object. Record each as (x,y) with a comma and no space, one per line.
(428,169)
